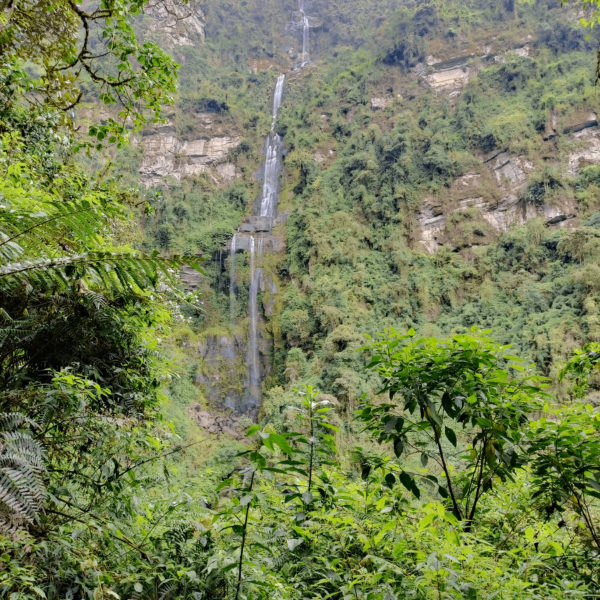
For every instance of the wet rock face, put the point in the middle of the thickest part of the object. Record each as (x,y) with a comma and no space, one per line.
(214,423)
(222,359)
(268,242)
(223,372)
(167,156)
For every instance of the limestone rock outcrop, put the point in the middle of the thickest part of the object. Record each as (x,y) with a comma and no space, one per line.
(451,75)
(167,156)
(432,220)
(506,208)
(587,148)
(379,103)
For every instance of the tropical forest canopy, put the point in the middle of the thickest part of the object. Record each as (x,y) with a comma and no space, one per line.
(425,315)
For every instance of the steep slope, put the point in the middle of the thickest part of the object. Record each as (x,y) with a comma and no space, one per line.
(439,173)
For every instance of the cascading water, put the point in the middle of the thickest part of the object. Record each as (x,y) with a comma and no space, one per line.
(268,204)
(305,35)
(271,178)
(268,209)
(232,279)
(253,360)
(278,96)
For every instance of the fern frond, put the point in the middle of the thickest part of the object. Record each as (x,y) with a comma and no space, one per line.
(110,271)
(98,300)
(14,492)
(21,472)
(60,244)
(13,420)
(64,222)
(166,589)
(24,445)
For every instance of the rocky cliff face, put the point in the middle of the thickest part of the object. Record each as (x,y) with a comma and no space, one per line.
(215,423)
(176,23)
(165,155)
(494,194)
(449,76)
(223,373)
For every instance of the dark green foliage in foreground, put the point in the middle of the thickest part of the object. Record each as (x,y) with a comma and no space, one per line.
(306,513)
(81,371)
(445,386)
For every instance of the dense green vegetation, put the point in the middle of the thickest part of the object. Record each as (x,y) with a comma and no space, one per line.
(447,462)
(352,237)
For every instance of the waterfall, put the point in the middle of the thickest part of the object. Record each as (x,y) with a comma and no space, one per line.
(305,35)
(254,241)
(232,280)
(253,360)
(268,204)
(277,97)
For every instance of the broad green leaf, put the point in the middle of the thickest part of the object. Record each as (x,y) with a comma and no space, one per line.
(451,435)
(294,543)
(282,443)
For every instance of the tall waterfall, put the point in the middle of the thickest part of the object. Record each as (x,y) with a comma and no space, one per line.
(268,203)
(271,177)
(252,235)
(277,97)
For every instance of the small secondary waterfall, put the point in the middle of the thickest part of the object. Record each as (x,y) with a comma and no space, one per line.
(305,35)
(232,279)
(253,359)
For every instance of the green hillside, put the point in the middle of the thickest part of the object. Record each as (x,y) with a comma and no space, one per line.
(383,386)
(353,262)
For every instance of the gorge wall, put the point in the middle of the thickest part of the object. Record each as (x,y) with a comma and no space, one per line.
(427,167)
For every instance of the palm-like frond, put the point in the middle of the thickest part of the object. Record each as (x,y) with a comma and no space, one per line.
(61,243)
(106,270)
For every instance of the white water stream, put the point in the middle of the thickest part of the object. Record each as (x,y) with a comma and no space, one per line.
(268,203)
(277,97)
(305,35)
(232,279)
(268,209)
(253,358)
